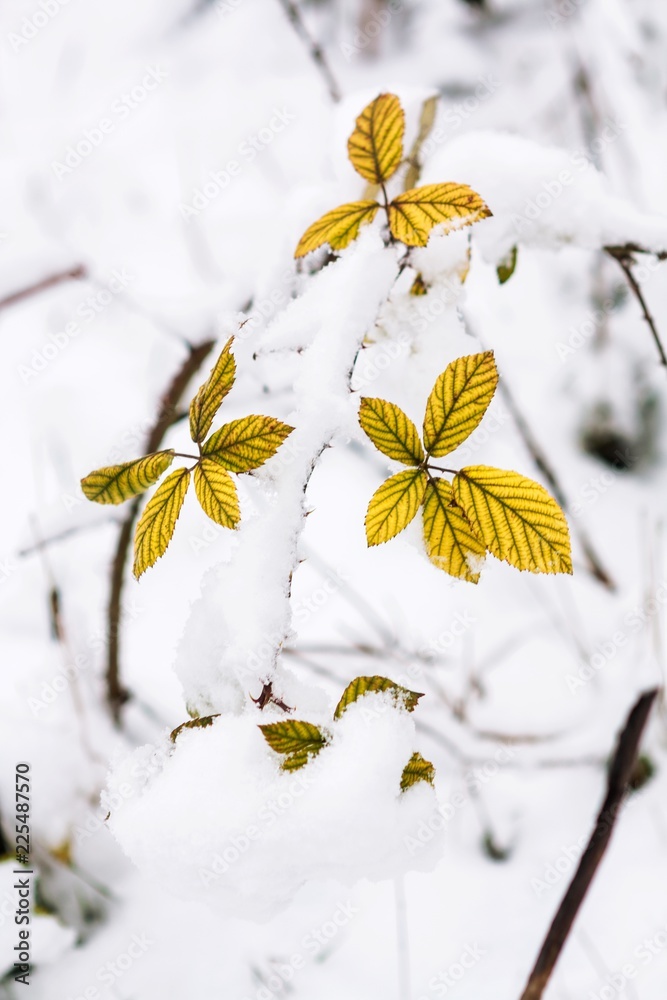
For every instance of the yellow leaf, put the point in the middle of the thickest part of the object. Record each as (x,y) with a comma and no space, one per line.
(394,505)
(299,741)
(417,769)
(413,215)
(426,123)
(206,403)
(245,444)
(115,483)
(419,286)
(156,525)
(518,521)
(338,227)
(216,493)
(459,400)
(451,542)
(391,431)
(361,686)
(375,148)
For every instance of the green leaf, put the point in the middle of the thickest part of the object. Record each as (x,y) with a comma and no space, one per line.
(116,483)
(417,769)
(518,521)
(506,268)
(451,542)
(201,722)
(156,525)
(391,431)
(206,403)
(394,505)
(361,686)
(216,492)
(245,444)
(298,741)
(458,401)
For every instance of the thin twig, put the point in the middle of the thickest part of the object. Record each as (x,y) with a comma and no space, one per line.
(71,274)
(62,536)
(625,261)
(168,413)
(619,776)
(315,50)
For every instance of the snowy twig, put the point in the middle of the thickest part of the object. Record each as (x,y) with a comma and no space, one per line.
(71,274)
(620,773)
(625,260)
(167,414)
(315,50)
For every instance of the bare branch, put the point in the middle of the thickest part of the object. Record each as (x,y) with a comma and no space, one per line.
(315,50)
(625,261)
(71,274)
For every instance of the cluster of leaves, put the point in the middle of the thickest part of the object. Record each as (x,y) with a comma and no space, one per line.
(483,509)
(297,742)
(375,150)
(237,447)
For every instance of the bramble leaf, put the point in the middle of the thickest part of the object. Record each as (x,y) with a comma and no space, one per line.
(413,214)
(451,542)
(361,686)
(116,483)
(426,123)
(417,769)
(299,741)
(245,444)
(390,430)
(210,395)
(518,521)
(216,492)
(200,722)
(394,505)
(506,268)
(156,525)
(375,148)
(338,228)
(458,401)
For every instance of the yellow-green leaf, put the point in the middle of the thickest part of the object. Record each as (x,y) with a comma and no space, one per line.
(206,403)
(419,286)
(390,430)
(245,444)
(201,722)
(375,148)
(299,741)
(459,400)
(338,228)
(116,483)
(417,769)
(394,505)
(450,539)
(156,525)
(413,214)
(426,123)
(216,492)
(506,268)
(361,686)
(518,521)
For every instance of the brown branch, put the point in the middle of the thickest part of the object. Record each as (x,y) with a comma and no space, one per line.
(72,273)
(620,773)
(168,414)
(315,50)
(625,260)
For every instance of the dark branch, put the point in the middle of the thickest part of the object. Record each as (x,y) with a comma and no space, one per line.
(620,773)
(71,274)
(314,48)
(625,260)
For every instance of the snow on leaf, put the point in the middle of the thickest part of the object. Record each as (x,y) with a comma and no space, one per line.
(391,431)
(297,740)
(518,521)
(417,769)
(394,505)
(361,686)
(116,483)
(413,214)
(458,401)
(375,148)
(506,267)
(156,525)
(338,228)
